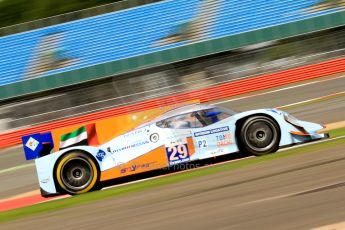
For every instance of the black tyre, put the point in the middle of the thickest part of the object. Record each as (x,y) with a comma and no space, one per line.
(76,173)
(259,135)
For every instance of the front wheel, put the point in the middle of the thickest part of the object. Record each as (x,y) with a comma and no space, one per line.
(259,135)
(76,173)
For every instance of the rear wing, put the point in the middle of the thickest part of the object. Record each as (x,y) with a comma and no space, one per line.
(37,145)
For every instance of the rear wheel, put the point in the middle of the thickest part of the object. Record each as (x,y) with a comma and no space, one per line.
(76,173)
(259,135)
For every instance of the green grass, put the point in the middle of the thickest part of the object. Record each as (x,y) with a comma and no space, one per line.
(337,132)
(103,194)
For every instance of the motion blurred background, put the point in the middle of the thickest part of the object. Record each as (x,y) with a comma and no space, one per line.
(71,62)
(60,60)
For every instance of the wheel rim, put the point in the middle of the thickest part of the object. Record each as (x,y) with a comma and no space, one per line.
(76,174)
(260,135)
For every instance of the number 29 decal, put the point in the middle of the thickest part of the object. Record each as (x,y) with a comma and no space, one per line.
(177,154)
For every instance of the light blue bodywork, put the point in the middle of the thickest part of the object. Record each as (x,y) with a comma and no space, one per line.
(204,139)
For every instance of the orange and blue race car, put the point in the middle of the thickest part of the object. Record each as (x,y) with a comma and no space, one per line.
(77,161)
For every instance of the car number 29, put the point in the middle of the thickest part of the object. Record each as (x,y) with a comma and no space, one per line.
(178,153)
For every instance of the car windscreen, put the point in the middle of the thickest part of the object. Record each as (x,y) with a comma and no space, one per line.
(197,119)
(213,115)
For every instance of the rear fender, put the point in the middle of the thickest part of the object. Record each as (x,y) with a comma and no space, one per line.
(45,166)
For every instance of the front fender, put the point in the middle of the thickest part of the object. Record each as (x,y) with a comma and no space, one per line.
(285,138)
(288,131)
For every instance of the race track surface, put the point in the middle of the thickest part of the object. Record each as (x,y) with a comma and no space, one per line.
(297,192)
(22,177)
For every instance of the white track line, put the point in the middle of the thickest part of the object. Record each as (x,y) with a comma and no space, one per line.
(336,226)
(284,195)
(16,168)
(311,100)
(278,90)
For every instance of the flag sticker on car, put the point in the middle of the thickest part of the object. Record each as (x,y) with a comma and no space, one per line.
(32,143)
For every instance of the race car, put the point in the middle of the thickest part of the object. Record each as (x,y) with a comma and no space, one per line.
(184,134)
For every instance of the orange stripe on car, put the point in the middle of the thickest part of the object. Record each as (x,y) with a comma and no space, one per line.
(152,160)
(191,147)
(299,133)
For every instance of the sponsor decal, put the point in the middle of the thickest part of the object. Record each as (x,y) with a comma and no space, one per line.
(32,143)
(44,181)
(218,151)
(211,131)
(223,139)
(130,146)
(135,132)
(177,154)
(176,141)
(178,136)
(100,155)
(202,144)
(136,167)
(154,137)
(275,111)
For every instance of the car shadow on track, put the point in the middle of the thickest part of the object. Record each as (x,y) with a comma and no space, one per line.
(174,169)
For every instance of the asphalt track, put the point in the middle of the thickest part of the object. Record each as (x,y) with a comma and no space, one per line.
(297,192)
(24,179)
(215,202)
